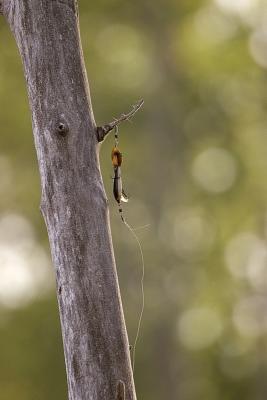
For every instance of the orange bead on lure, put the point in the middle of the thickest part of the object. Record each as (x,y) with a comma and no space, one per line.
(116,157)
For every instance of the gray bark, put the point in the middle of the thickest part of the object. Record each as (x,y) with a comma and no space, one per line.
(73,201)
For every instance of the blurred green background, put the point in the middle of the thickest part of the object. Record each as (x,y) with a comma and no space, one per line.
(195,169)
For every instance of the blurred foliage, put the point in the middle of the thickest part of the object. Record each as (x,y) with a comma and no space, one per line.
(195,168)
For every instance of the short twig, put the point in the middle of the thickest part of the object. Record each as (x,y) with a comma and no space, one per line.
(102,131)
(120,391)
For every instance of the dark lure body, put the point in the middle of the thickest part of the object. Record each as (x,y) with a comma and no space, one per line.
(118,191)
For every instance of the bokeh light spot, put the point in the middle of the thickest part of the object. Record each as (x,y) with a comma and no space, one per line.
(258,47)
(250,316)
(215,170)
(237,6)
(24,266)
(193,232)
(243,253)
(212,26)
(127,54)
(199,328)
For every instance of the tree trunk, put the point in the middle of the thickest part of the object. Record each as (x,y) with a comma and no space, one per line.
(73,201)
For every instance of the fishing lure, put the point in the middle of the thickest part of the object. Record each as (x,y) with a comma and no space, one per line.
(120,196)
(118,192)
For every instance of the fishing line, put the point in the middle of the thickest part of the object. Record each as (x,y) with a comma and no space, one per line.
(138,228)
(120,195)
(132,230)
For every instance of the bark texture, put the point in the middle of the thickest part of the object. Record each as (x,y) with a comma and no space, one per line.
(73,202)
